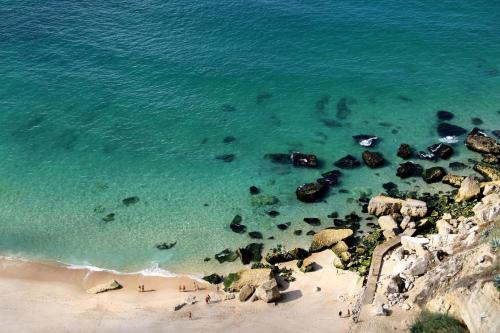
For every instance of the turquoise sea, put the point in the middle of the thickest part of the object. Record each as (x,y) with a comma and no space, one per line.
(104,100)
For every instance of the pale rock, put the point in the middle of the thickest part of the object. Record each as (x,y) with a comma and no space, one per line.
(328,237)
(268,291)
(414,208)
(111,285)
(404,223)
(448,243)
(229,296)
(469,189)
(443,227)
(446,216)
(246,292)
(382,205)
(405,306)
(488,210)
(420,266)
(414,244)
(491,188)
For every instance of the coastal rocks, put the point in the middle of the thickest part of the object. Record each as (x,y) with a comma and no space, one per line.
(433,175)
(414,244)
(314,221)
(488,210)
(490,159)
(252,252)
(109,218)
(347,162)
(273,213)
(444,115)
(330,178)
(311,192)
(409,169)
(419,266)
(487,171)
(253,277)
(246,292)
(396,285)
(365,140)
(441,150)
(305,160)
(414,208)
(447,129)
(328,237)
(382,205)
(373,159)
(453,180)
(100,288)
(405,151)
(298,253)
(264,200)
(307,266)
(255,235)
(236,225)
(457,166)
(283,226)
(253,190)
(389,227)
(213,278)
(277,255)
(268,291)
(130,201)
(226,256)
(165,246)
(469,189)
(480,142)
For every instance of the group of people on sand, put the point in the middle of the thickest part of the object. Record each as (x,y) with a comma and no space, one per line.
(141,288)
(183,287)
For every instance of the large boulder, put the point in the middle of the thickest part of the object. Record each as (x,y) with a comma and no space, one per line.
(347,162)
(268,291)
(396,285)
(404,151)
(100,288)
(409,169)
(453,180)
(491,188)
(488,210)
(306,160)
(226,255)
(328,237)
(414,244)
(251,252)
(213,278)
(382,205)
(389,227)
(252,277)
(447,129)
(414,208)
(479,141)
(469,189)
(419,266)
(373,159)
(245,292)
(441,150)
(311,192)
(433,175)
(488,171)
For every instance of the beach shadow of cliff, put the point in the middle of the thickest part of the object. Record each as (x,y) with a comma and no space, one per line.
(290,296)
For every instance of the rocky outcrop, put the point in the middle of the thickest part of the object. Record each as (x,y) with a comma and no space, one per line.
(409,169)
(213,278)
(404,151)
(311,192)
(453,180)
(441,150)
(328,237)
(101,288)
(268,291)
(487,171)
(246,292)
(305,160)
(479,141)
(251,277)
(433,175)
(347,162)
(382,205)
(469,189)
(307,266)
(389,227)
(488,210)
(414,208)
(373,159)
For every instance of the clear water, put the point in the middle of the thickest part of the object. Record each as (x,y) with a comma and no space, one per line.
(100,101)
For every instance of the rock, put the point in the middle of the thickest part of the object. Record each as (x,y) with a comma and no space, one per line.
(490,159)
(427,156)
(130,201)
(228,139)
(447,129)
(414,208)
(479,141)
(496,133)
(339,248)
(488,210)
(314,221)
(251,253)
(414,244)
(297,232)
(487,171)
(278,255)
(347,162)
(213,278)
(476,121)
(254,190)
(469,189)
(405,151)
(225,157)
(389,234)
(373,159)
(457,166)
(433,175)
(441,150)
(330,178)
(443,227)
(273,213)
(229,296)
(444,115)
(310,233)
(165,246)
(283,226)
(268,291)
(264,200)
(306,160)
(453,180)
(491,188)
(298,253)
(381,311)
(307,266)
(279,158)
(100,288)
(255,235)
(337,262)
(409,169)
(311,192)
(419,266)
(246,292)
(236,225)
(328,237)
(396,285)
(109,218)
(179,306)
(253,277)
(366,140)
(447,243)
(226,255)
(404,223)
(382,205)
(387,223)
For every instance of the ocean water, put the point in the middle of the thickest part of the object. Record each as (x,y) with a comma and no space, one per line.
(100,101)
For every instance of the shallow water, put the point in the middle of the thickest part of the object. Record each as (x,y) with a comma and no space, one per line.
(99,102)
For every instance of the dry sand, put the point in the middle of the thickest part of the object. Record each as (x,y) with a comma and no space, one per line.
(39,297)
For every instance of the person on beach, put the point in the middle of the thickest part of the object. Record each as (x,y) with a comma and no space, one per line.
(183,288)
(340,313)
(190,315)
(195,286)
(139,288)
(207,299)
(142,288)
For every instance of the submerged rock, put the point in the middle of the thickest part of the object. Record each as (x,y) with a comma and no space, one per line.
(109,218)
(314,221)
(130,201)
(444,115)
(457,166)
(328,237)
(479,141)
(225,157)
(264,200)
(330,178)
(306,160)
(273,213)
(236,225)
(311,192)
(441,150)
(226,256)
(347,162)
(490,159)
(343,109)
(213,278)
(487,171)
(165,246)
(433,175)
(447,129)
(253,190)
(366,140)
(229,139)
(373,159)
(255,235)
(405,151)
(283,226)
(409,169)
(252,252)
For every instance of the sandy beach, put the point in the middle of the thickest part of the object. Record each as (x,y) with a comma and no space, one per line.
(41,297)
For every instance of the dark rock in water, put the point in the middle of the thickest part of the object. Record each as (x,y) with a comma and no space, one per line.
(311,192)
(352,218)
(404,98)
(236,225)
(488,171)
(262,97)
(347,162)
(226,255)
(447,129)
(207,259)
(213,278)
(479,141)
(255,235)
(441,150)
(108,218)
(339,222)
(404,151)
(426,156)
(366,140)
(433,175)
(496,133)
(311,233)
(333,215)
(229,139)
(251,252)
(444,115)
(312,221)
(228,108)
(373,159)
(270,237)
(279,158)
(457,166)
(306,160)
(278,255)
(283,226)
(343,190)
(130,201)
(254,190)
(225,157)
(489,158)
(330,178)
(331,123)
(409,169)
(297,232)
(343,109)
(273,213)
(165,246)
(322,104)
(390,187)
(394,131)
(476,121)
